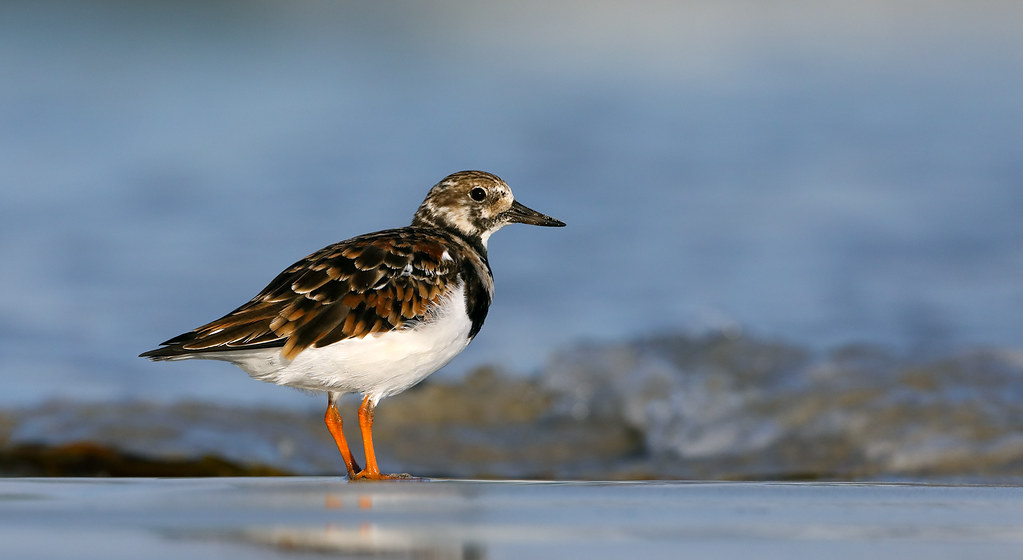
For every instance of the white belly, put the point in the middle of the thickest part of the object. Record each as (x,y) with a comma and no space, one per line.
(377,365)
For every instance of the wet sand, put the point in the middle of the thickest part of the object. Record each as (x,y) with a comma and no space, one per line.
(301,517)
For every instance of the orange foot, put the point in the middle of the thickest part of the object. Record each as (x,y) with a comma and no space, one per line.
(372,471)
(363,475)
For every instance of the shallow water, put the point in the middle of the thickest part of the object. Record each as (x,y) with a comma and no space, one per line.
(293,517)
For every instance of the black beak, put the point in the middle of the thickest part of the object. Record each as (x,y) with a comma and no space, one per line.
(520,214)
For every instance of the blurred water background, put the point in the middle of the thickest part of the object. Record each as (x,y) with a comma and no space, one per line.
(773,208)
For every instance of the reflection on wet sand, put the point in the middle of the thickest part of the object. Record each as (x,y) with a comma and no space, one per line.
(368,538)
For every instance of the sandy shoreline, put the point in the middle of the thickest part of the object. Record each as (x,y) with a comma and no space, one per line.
(288,517)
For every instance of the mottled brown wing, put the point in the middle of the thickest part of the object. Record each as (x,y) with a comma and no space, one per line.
(368,284)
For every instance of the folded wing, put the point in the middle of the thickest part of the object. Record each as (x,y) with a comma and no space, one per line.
(369,284)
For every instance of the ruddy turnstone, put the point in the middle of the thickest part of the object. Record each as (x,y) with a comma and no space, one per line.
(375,314)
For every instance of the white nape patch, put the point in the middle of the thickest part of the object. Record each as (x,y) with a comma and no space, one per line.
(377,365)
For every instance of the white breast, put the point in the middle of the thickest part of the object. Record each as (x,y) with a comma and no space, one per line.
(377,365)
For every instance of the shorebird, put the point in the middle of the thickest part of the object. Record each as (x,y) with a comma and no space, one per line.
(374,314)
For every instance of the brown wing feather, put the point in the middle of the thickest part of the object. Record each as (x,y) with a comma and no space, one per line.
(368,284)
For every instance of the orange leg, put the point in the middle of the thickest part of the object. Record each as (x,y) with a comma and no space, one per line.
(333,420)
(372,471)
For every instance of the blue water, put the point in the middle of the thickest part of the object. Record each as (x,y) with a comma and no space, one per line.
(822,175)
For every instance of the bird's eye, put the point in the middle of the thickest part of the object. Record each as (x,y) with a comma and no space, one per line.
(478,194)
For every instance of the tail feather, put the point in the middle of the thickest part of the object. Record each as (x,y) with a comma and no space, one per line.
(165,353)
(175,349)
